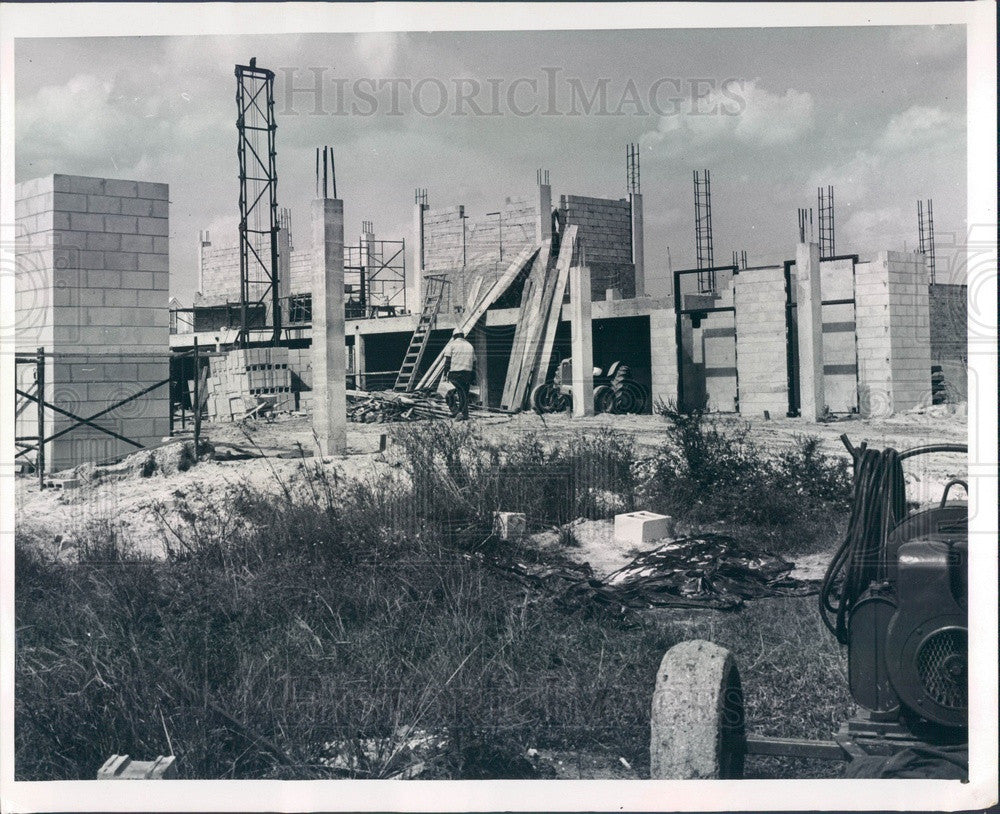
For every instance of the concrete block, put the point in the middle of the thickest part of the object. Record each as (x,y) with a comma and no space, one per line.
(84,222)
(153,226)
(104,204)
(153,262)
(78,184)
(635,528)
(125,224)
(158,192)
(121,261)
(510,526)
(120,188)
(99,241)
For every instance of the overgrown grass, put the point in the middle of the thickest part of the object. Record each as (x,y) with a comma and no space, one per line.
(279,630)
(349,614)
(708,473)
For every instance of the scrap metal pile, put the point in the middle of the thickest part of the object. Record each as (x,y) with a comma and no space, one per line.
(710,571)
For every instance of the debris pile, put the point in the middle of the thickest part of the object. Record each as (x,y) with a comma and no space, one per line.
(709,571)
(378,407)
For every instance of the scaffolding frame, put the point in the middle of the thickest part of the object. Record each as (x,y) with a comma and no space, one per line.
(703,231)
(259,220)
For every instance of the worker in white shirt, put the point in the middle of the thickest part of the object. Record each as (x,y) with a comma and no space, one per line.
(460,358)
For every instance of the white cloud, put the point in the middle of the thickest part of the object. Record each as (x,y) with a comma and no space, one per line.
(379,51)
(742,112)
(919,127)
(887,227)
(930,43)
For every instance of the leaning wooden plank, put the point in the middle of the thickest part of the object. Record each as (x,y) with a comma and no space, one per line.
(492,294)
(535,334)
(534,288)
(566,249)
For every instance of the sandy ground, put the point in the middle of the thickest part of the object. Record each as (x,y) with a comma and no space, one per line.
(135,506)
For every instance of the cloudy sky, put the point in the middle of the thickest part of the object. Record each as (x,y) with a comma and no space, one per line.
(773,113)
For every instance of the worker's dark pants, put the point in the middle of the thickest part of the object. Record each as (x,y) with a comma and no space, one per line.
(462,379)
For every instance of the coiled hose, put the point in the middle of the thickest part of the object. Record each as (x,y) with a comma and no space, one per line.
(879,504)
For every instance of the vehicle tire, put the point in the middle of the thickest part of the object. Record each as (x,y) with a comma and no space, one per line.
(636,396)
(604,399)
(697,723)
(542,397)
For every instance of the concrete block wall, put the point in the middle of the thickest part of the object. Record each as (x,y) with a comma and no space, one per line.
(717,341)
(761,333)
(663,355)
(92,285)
(893,330)
(840,371)
(605,233)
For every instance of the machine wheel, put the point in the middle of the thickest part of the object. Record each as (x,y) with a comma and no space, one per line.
(629,398)
(543,398)
(697,727)
(604,399)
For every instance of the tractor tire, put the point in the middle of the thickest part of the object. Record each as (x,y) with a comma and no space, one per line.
(697,724)
(604,399)
(541,398)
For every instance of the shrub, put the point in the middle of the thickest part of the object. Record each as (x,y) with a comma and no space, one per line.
(708,473)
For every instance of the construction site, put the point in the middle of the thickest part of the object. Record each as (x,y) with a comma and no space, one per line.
(637,471)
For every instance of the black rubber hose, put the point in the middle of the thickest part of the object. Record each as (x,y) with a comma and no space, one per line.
(879,504)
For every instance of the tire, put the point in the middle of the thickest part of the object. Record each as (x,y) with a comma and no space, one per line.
(604,399)
(697,723)
(541,398)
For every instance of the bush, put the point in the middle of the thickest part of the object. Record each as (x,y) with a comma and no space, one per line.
(708,473)
(460,479)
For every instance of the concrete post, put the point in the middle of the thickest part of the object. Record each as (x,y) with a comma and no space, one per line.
(482,363)
(582,344)
(638,245)
(359,361)
(328,346)
(809,313)
(543,225)
(416,287)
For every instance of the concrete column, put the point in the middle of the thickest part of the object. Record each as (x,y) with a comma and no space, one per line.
(359,361)
(582,345)
(638,245)
(416,286)
(478,339)
(543,225)
(663,353)
(328,346)
(809,314)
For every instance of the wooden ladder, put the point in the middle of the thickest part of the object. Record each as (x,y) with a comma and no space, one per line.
(406,379)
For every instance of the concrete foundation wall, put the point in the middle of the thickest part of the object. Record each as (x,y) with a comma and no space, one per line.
(92,286)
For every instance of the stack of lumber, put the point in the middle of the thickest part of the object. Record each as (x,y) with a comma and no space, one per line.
(378,407)
(481,296)
(534,335)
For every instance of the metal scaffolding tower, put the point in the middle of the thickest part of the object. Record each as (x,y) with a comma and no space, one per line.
(632,169)
(703,230)
(258,196)
(827,242)
(925,223)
